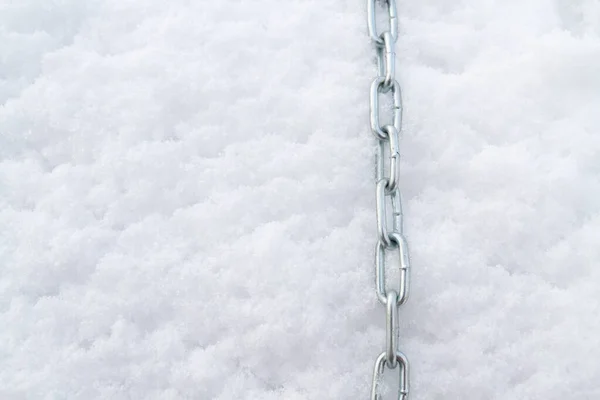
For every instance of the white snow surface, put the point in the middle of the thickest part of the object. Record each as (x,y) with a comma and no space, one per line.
(187,199)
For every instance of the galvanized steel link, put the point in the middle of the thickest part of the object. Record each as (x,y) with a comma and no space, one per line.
(378,86)
(391,329)
(403,372)
(383,234)
(393,145)
(386,60)
(392,13)
(403,265)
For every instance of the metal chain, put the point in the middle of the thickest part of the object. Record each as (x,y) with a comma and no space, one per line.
(388,191)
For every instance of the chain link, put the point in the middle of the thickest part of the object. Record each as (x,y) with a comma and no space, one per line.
(386,60)
(392,13)
(377,87)
(388,191)
(399,242)
(393,147)
(403,372)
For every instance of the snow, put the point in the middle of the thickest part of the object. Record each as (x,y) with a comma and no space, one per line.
(187,199)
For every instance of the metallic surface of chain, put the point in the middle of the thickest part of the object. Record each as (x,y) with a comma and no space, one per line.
(388,191)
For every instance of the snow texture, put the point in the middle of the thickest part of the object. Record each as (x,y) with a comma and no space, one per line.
(187,199)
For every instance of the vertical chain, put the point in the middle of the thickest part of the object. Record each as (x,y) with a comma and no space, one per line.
(388,191)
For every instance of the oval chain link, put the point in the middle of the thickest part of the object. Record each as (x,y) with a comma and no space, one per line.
(403,372)
(377,87)
(388,191)
(386,60)
(391,329)
(392,14)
